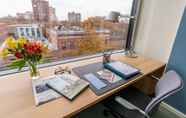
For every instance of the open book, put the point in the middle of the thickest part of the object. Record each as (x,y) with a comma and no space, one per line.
(53,87)
(67,85)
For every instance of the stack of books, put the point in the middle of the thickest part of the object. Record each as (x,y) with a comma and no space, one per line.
(53,87)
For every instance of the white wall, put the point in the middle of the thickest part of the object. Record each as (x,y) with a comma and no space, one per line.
(157,27)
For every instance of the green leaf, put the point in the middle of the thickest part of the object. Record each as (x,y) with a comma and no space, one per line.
(17,64)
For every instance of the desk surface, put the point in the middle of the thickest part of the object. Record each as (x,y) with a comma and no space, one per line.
(17,101)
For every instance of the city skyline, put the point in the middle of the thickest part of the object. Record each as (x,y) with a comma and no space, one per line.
(84,7)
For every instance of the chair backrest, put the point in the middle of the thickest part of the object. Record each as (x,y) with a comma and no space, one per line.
(169,84)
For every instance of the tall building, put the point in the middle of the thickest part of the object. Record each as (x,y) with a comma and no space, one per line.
(52,15)
(74,18)
(40,10)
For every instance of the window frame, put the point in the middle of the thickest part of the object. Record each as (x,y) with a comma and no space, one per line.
(55,63)
(132,24)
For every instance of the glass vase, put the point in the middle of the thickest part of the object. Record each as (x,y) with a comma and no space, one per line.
(34,72)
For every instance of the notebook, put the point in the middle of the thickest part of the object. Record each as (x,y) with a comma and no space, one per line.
(96,82)
(67,85)
(122,69)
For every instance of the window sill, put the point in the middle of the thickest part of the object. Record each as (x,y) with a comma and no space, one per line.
(13,71)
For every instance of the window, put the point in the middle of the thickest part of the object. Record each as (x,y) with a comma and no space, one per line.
(27,32)
(74,27)
(21,31)
(33,33)
(38,33)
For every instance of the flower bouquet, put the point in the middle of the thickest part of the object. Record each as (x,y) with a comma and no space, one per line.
(26,52)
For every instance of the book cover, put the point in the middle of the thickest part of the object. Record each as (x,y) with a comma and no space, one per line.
(109,76)
(122,69)
(68,85)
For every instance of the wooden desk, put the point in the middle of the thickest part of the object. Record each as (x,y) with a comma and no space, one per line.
(17,101)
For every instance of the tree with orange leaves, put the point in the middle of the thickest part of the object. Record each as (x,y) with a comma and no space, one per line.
(91,43)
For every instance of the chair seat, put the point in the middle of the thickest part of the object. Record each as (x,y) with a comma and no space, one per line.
(132,95)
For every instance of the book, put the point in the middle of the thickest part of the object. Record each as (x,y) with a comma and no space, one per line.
(42,93)
(122,69)
(68,85)
(95,81)
(109,76)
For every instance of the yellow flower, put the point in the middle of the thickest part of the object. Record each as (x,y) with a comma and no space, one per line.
(4,52)
(21,41)
(10,43)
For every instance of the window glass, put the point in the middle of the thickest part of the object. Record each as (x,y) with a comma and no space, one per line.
(72,28)
(33,32)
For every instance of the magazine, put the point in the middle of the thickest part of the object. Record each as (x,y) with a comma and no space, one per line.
(42,93)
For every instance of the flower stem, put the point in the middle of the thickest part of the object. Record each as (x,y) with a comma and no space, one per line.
(33,69)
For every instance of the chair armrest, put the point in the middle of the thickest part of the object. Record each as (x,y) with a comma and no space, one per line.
(129,105)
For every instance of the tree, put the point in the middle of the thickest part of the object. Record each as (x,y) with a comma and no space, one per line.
(91,43)
(92,23)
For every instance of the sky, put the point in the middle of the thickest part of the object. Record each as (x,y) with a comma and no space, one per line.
(87,8)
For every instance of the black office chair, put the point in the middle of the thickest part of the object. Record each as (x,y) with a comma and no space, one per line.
(131,103)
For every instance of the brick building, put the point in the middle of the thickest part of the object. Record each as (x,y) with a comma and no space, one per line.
(66,38)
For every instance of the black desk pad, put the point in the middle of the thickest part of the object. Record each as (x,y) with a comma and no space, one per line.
(94,68)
